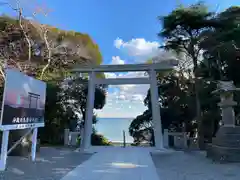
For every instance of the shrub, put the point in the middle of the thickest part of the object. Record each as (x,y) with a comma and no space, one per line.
(100,140)
(97,140)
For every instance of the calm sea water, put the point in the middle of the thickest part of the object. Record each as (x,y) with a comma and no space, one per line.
(112,128)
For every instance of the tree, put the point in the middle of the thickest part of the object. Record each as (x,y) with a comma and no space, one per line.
(221,50)
(220,63)
(75,96)
(66,49)
(175,103)
(182,31)
(211,43)
(141,127)
(56,117)
(35,47)
(99,140)
(76,91)
(64,107)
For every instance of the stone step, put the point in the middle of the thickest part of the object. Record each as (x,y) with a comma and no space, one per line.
(223,154)
(226,142)
(228,136)
(228,130)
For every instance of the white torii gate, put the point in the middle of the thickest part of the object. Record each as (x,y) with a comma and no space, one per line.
(152,80)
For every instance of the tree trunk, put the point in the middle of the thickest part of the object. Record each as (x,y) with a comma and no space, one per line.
(201,144)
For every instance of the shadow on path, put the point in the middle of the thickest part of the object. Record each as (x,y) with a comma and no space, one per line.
(193,166)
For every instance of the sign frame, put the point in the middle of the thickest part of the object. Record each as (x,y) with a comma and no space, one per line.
(19,125)
(33,127)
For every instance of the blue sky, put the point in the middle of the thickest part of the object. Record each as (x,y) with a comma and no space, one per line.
(18,84)
(125,31)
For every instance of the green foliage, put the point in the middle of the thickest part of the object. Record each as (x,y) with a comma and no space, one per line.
(67,48)
(176,103)
(77,89)
(141,126)
(63,106)
(99,140)
(54,116)
(66,96)
(221,52)
(191,30)
(81,39)
(182,28)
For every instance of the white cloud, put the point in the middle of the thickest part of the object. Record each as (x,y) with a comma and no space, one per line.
(125,100)
(110,75)
(142,50)
(121,97)
(164,55)
(117,60)
(138,97)
(131,92)
(138,47)
(126,75)
(133,75)
(118,43)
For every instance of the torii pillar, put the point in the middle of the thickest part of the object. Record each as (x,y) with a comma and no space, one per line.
(157,125)
(86,140)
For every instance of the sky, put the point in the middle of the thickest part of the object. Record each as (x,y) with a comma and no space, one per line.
(19,84)
(126,32)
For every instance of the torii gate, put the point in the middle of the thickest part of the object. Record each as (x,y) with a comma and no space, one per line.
(151,69)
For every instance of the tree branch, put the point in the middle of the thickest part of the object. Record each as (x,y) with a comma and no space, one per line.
(234,45)
(49,54)
(27,38)
(44,35)
(2,69)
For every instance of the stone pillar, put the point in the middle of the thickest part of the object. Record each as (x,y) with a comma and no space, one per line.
(165,138)
(225,146)
(157,125)
(184,136)
(185,140)
(89,112)
(226,105)
(81,135)
(124,139)
(66,137)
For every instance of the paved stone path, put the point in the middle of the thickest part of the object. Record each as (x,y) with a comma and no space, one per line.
(193,166)
(116,163)
(51,164)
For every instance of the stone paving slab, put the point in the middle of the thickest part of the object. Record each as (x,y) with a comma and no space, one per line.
(116,163)
(51,164)
(193,166)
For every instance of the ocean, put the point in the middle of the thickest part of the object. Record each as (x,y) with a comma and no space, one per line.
(112,128)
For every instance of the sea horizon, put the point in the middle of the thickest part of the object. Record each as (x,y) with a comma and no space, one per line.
(115,117)
(112,128)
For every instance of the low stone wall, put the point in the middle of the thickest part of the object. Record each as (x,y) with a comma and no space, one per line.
(70,138)
(225,147)
(179,140)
